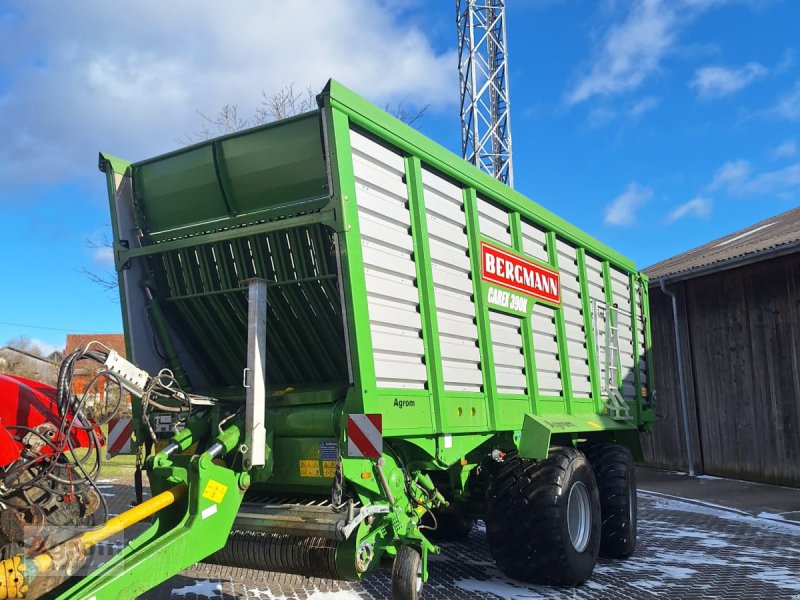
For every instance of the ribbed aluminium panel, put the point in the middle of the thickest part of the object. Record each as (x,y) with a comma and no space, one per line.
(641,337)
(509,360)
(597,294)
(545,345)
(621,292)
(450,266)
(493,221)
(534,241)
(571,303)
(387,248)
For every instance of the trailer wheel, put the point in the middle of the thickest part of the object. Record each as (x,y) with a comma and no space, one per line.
(407,574)
(543,518)
(615,472)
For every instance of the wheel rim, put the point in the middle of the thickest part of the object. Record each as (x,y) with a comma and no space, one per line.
(631,504)
(579,516)
(418,582)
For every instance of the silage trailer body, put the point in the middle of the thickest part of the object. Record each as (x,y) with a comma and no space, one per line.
(397,280)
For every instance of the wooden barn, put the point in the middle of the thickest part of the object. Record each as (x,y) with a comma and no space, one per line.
(725,319)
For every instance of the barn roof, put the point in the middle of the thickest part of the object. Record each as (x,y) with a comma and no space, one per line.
(779,234)
(31,355)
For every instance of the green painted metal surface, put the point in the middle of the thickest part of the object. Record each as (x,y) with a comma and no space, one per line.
(264,173)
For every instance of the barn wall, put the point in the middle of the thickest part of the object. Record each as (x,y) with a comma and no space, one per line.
(742,352)
(666,446)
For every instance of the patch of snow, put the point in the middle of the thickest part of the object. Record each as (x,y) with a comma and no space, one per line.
(500,588)
(264,595)
(712,542)
(692,557)
(686,532)
(105,487)
(659,495)
(674,572)
(782,578)
(203,587)
(647,585)
(595,586)
(315,595)
(772,516)
(682,504)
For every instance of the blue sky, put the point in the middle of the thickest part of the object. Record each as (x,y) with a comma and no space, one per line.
(655,126)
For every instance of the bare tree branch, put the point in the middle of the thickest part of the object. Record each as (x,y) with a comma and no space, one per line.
(409,116)
(285,103)
(106,280)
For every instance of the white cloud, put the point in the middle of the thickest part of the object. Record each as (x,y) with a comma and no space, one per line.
(103,256)
(643,106)
(91,76)
(602,115)
(697,207)
(786,149)
(730,174)
(717,81)
(634,48)
(44,348)
(788,106)
(621,211)
(630,52)
(738,179)
(787,62)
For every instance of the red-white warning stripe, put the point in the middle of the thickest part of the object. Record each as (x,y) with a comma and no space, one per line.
(364,436)
(119,437)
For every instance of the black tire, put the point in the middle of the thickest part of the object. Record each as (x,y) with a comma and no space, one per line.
(615,473)
(451,527)
(528,518)
(407,574)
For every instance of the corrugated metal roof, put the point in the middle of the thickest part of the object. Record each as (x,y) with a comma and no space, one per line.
(781,231)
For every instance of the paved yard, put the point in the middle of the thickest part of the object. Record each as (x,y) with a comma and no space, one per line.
(685,550)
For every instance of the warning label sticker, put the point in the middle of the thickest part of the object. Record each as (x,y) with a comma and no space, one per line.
(329,468)
(309,468)
(215,491)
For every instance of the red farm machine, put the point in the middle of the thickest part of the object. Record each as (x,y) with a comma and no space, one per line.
(49,460)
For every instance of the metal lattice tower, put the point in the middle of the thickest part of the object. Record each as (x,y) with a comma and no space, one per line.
(483,70)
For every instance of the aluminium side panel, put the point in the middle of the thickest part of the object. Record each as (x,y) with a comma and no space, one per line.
(509,360)
(597,296)
(621,294)
(493,221)
(572,306)
(450,266)
(542,320)
(641,338)
(389,269)
(534,241)
(545,344)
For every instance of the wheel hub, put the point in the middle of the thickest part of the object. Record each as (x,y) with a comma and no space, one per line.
(579,516)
